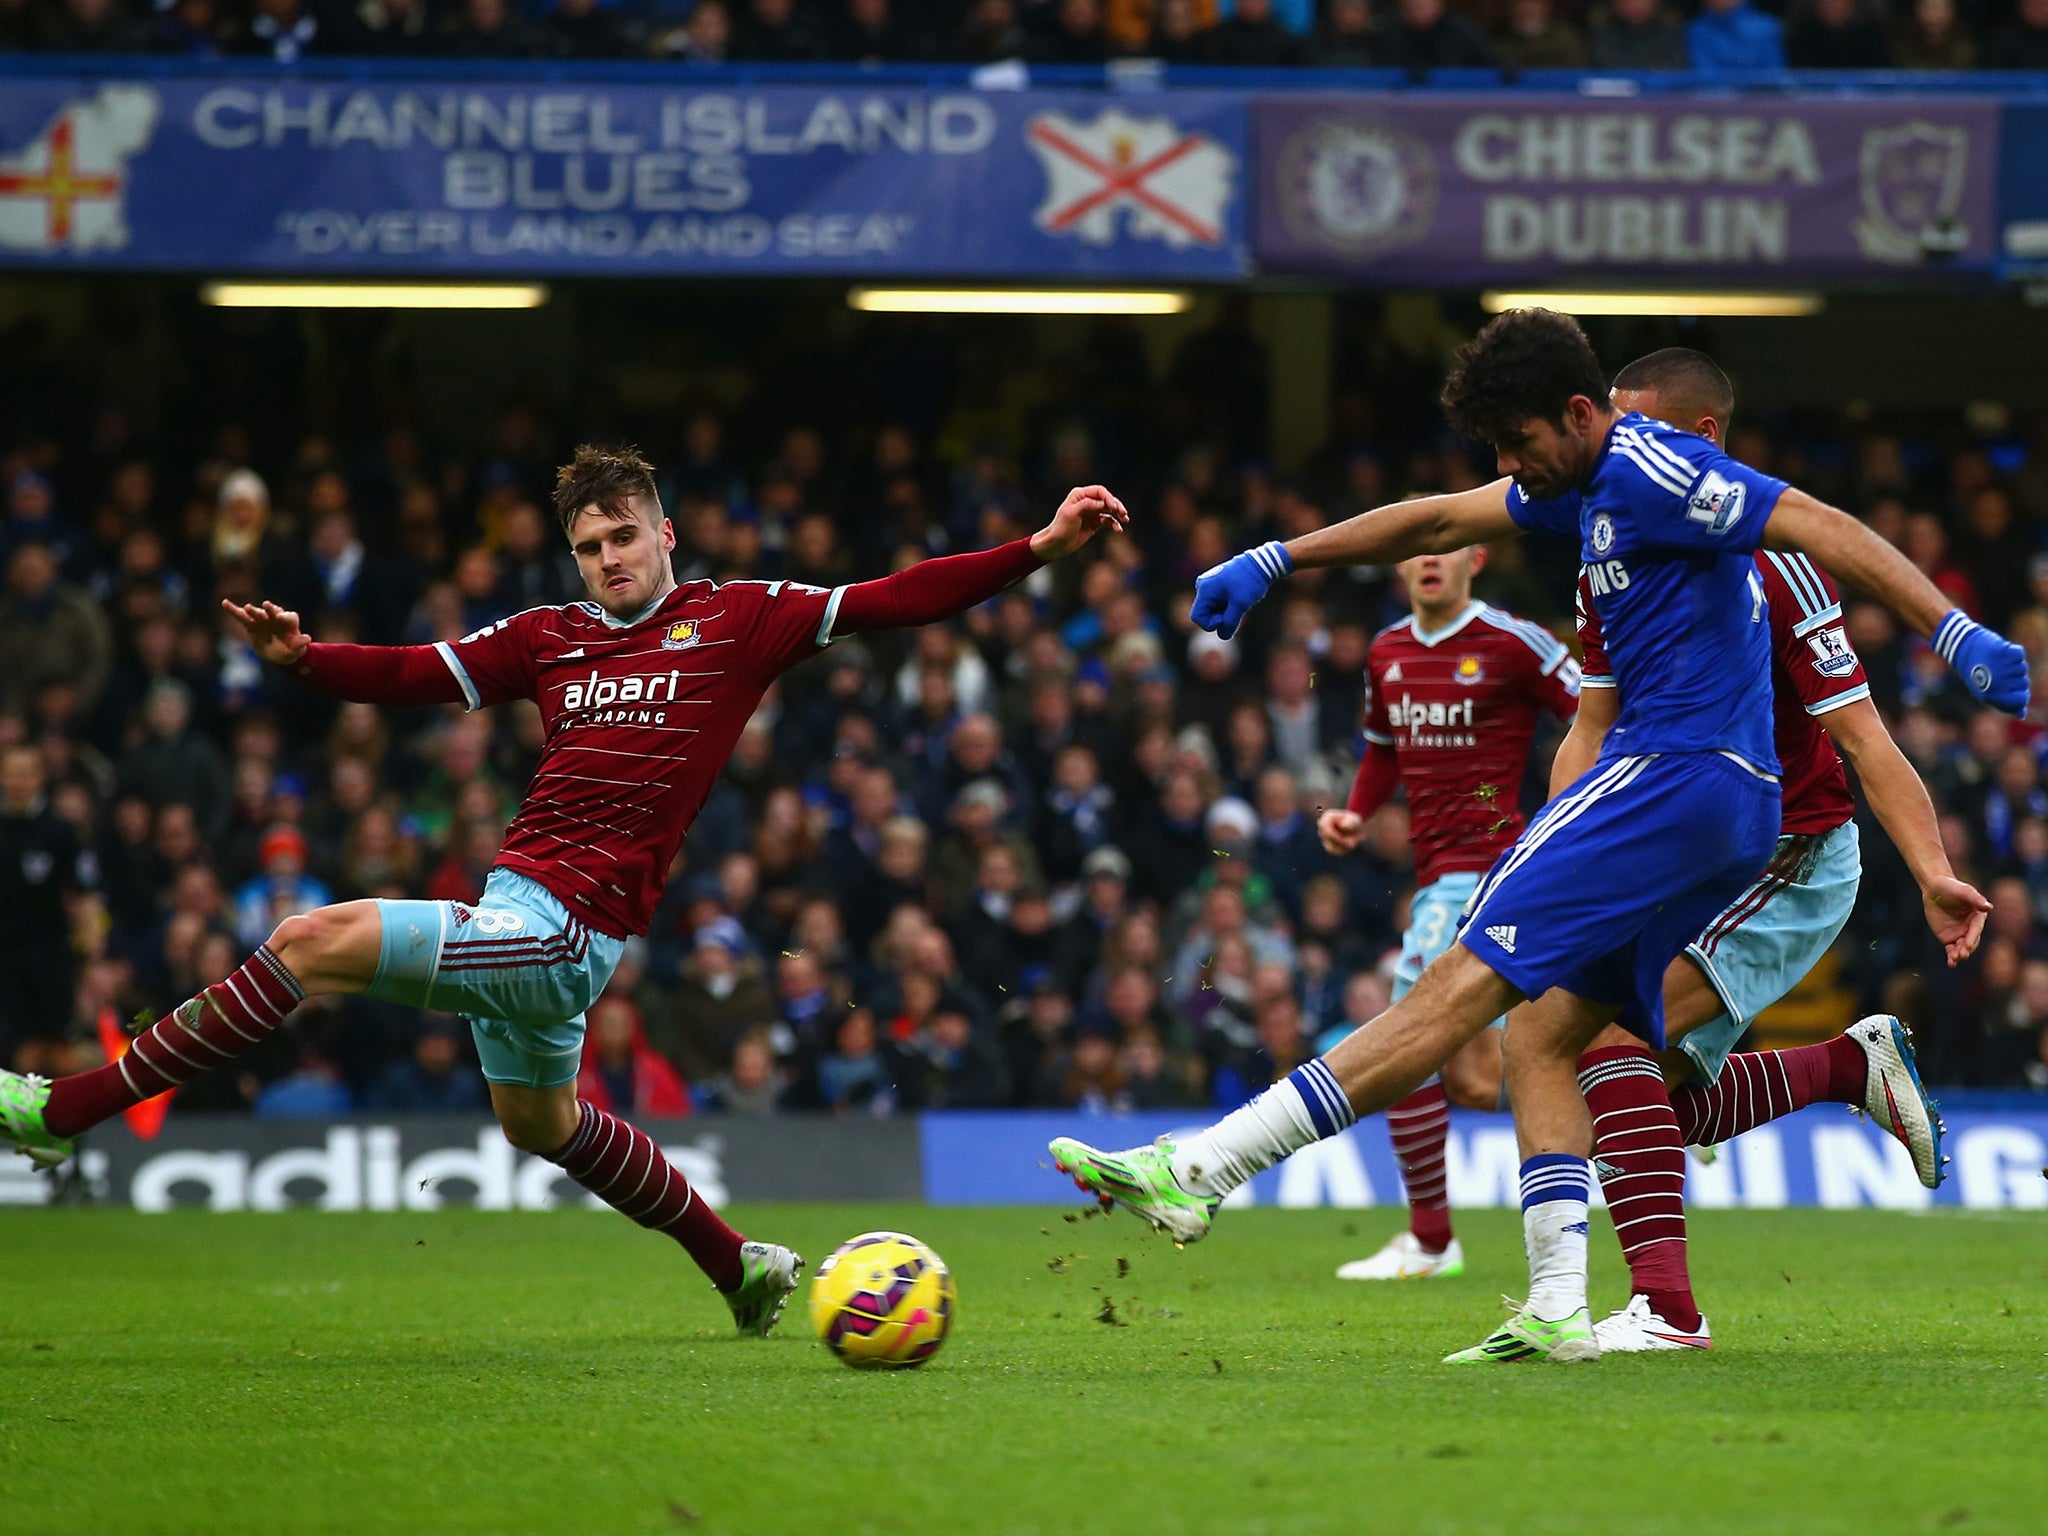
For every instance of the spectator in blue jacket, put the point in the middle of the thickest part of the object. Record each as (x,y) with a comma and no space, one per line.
(1729,35)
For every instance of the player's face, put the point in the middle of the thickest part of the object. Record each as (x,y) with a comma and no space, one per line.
(1548,458)
(624,560)
(1441,582)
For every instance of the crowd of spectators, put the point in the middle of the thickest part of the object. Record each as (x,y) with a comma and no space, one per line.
(1059,852)
(1705,35)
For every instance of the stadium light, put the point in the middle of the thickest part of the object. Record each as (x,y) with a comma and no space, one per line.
(288,295)
(1494,301)
(1020,301)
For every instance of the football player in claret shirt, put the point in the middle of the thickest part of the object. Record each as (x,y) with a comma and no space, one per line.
(643,690)
(1617,876)
(1454,693)
(1772,934)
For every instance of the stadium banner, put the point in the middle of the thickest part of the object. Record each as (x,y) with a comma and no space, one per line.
(421,1163)
(1819,1157)
(240,174)
(2023,190)
(1479,189)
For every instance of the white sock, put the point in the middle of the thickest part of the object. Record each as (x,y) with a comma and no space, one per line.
(1304,1106)
(1556,1188)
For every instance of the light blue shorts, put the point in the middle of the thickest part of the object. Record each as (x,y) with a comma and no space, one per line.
(1433,928)
(517,965)
(1769,937)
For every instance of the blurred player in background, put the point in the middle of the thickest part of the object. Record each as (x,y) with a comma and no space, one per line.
(1454,692)
(643,690)
(1772,935)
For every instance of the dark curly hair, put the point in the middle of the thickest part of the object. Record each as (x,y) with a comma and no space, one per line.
(1525,364)
(603,478)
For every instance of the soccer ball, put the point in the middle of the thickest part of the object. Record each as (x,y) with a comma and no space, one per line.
(883,1299)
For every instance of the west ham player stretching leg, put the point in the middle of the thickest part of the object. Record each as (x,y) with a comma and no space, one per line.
(643,688)
(1615,878)
(1771,936)
(1454,691)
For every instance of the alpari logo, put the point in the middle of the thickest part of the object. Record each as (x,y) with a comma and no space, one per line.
(1412,712)
(599,693)
(359,1169)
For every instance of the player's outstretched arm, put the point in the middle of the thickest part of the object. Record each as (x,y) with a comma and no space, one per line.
(1991,667)
(947,585)
(1954,908)
(1428,525)
(1599,708)
(363,674)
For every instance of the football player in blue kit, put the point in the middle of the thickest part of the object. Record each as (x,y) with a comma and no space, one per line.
(1614,877)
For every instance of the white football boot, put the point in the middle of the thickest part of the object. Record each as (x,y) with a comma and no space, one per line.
(1637,1329)
(1894,1096)
(1404,1258)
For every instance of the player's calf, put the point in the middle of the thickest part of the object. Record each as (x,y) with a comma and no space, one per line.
(1869,1066)
(225,1021)
(622,1166)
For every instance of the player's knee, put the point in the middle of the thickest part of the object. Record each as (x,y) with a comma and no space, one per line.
(542,1131)
(1472,1085)
(303,937)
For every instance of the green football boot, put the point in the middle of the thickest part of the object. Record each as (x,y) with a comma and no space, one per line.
(1142,1181)
(22,1097)
(768,1277)
(1525,1336)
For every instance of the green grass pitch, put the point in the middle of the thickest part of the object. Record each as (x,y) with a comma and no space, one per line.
(565,1373)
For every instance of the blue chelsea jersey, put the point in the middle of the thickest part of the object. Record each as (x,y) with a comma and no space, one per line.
(1667,529)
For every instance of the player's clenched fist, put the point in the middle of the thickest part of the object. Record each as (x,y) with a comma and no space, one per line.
(274,632)
(1087,511)
(1341,831)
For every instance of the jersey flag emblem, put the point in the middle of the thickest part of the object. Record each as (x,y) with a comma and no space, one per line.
(681,635)
(1167,184)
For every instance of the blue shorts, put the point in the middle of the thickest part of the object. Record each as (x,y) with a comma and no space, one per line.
(517,965)
(1433,916)
(1615,877)
(1770,936)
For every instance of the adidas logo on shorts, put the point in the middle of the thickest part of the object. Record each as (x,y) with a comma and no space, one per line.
(1503,934)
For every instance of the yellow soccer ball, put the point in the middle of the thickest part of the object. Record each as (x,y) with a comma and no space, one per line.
(883,1299)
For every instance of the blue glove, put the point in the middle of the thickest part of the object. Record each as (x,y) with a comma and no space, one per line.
(1225,593)
(1991,666)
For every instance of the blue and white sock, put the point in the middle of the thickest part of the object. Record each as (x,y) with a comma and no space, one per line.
(1304,1106)
(1556,1189)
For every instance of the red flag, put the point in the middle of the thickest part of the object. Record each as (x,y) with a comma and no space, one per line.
(147,1118)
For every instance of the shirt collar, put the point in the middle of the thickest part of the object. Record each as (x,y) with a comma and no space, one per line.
(1472,611)
(639,618)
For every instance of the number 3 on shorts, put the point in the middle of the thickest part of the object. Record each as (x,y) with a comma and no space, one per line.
(498,920)
(1429,925)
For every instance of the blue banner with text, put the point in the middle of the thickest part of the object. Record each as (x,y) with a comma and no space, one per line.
(1818,1157)
(246,174)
